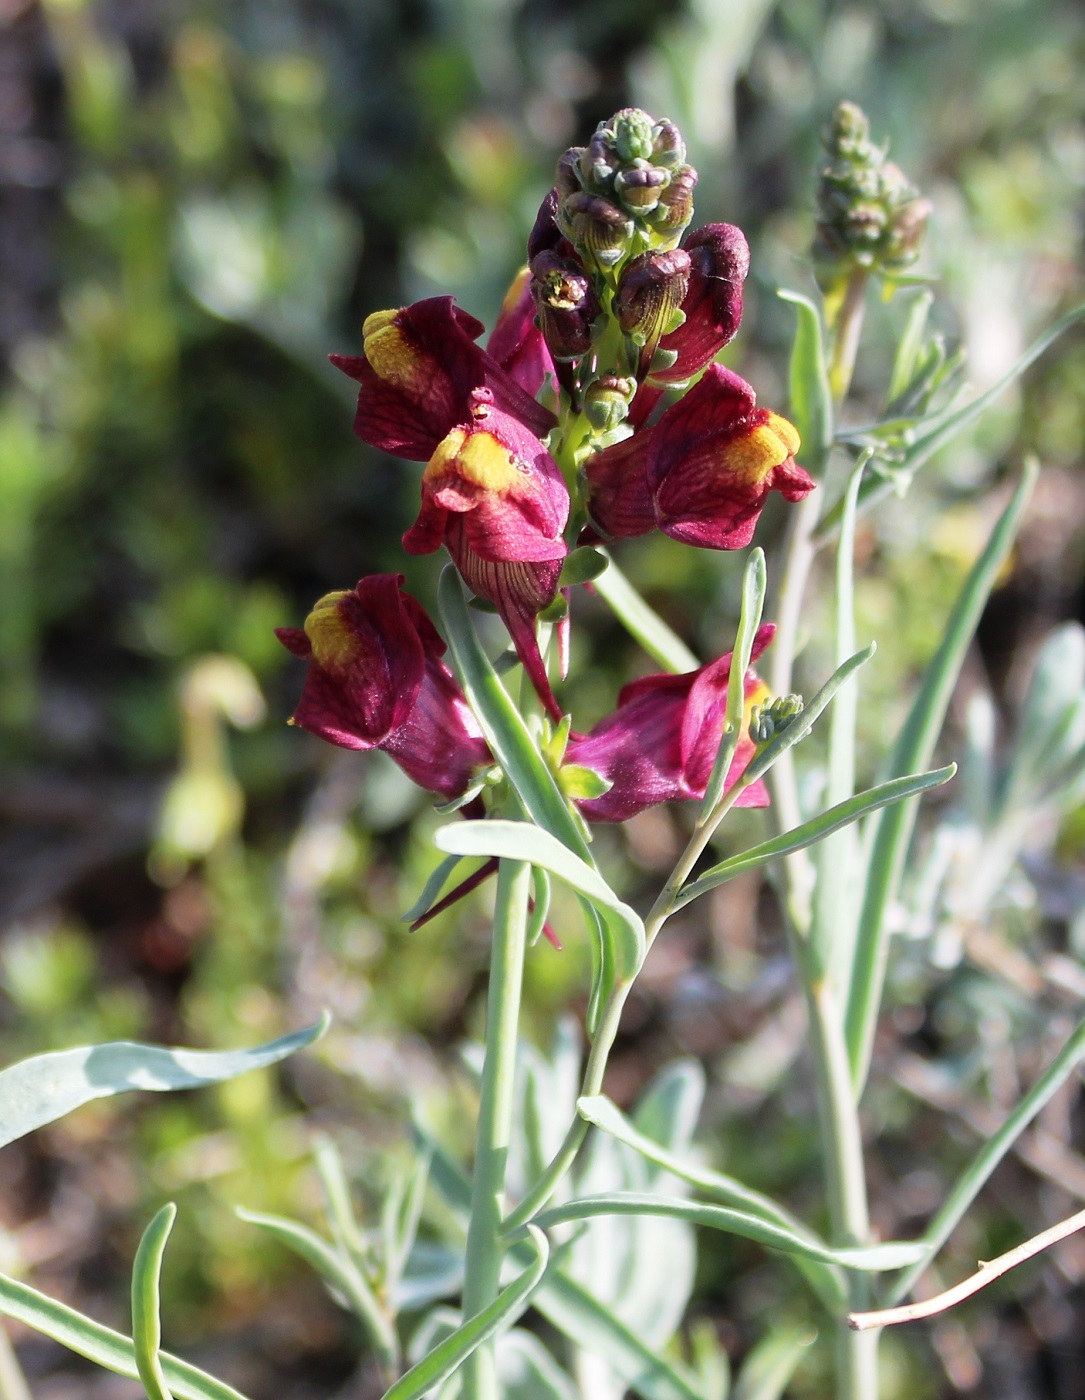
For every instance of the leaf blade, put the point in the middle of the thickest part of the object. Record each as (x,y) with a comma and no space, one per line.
(146,1304)
(46,1087)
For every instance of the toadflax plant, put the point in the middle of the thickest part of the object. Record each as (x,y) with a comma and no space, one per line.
(598,412)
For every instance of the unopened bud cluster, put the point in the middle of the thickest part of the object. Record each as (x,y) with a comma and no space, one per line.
(766,721)
(869,215)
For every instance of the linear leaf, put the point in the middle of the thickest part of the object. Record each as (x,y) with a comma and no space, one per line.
(661,643)
(753,601)
(605,1115)
(336,1269)
(769,1367)
(810,397)
(454,1350)
(42,1089)
(987,1159)
(870,1258)
(146,1303)
(502,723)
(815,830)
(523,841)
(892,830)
(932,434)
(575,1311)
(108,1349)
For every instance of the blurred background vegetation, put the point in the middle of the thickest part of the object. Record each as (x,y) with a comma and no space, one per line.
(198,200)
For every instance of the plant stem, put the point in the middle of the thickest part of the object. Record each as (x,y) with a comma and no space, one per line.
(845,1179)
(484,1249)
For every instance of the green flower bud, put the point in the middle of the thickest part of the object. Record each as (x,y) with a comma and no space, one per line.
(633,133)
(766,721)
(869,215)
(607,400)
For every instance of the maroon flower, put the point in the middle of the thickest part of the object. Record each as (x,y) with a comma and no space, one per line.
(419,370)
(659,745)
(490,491)
(703,473)
(376,681)
(495,497)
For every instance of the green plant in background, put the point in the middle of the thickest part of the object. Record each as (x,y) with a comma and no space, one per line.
(614,312)
(219,185)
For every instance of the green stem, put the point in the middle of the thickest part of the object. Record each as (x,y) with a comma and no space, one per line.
(845,1179)
(838,1111)
(484,1248)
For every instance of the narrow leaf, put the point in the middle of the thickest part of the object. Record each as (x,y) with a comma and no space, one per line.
(146,1302)
(815,830)
(661,643)
(454,1350)
(987,1159)
(909,346)
(40,1090)
(870,1258)
(892,830)
(768,1369)
(106,1348)
(431,889)
(577,1313)
(605,1115)
(933,433)
(502,723)
(337,1270)
(810,397)
(802,724)
(753,601)
(522,841)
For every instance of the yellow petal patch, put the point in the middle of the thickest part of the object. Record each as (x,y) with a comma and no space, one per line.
(786,432)
(515,291)
(757,452)
(392,356)
(332,641)
(476,457)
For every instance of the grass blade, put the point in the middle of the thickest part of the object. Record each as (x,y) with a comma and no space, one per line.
(975,1177)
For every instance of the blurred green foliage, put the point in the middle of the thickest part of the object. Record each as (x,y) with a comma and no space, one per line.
(200,201)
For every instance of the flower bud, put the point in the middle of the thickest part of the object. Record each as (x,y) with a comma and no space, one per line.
(633,133)
(566,179)
(599,161)
(607,400)
(649,297)
(596,227)
(668,148)
(640,185)
(675,207)
(566,303)
(774,717)
(869,215)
